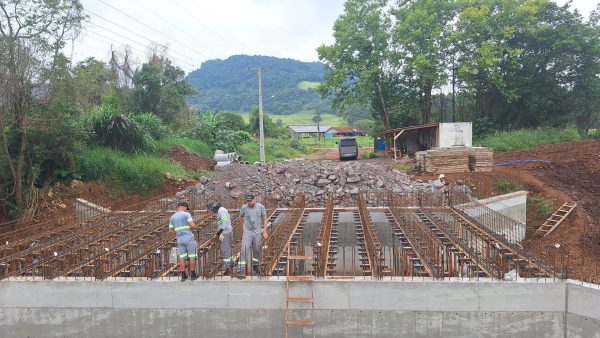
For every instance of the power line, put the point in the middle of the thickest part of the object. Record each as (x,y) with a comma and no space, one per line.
(129,30)
(207,27)
(128,40)
(152,28)
(167,22)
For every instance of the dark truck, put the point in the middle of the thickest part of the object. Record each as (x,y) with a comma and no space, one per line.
(348,148)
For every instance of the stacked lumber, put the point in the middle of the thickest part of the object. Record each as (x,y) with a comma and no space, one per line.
(481,159)
(447,160)
(420,160)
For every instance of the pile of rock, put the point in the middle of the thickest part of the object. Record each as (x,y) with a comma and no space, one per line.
(285,180)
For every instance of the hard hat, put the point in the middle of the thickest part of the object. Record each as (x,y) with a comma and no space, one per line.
(213,206)
(441,176)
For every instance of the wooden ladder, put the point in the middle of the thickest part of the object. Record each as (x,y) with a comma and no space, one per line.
(290,281)
(557,217)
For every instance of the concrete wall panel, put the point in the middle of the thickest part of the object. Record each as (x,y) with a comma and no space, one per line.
(56,294)
(532,324)
(584,300)
(582,327)
(256,308)
(428,324)
(336,323)
(257,294)
(39,322)
(490,324)
(544,297)
(411,296)
(460,325)
(170,295)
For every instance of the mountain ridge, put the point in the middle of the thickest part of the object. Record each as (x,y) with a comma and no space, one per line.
(230,85)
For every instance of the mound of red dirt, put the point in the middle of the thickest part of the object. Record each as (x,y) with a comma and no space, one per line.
(191,161)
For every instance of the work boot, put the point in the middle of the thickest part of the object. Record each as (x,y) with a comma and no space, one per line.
(241,274)
(227,271)
(183,276)
(194,276)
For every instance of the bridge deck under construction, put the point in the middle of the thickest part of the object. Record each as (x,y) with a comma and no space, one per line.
(383,235)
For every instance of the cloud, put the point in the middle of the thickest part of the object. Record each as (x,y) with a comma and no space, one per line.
(196,31)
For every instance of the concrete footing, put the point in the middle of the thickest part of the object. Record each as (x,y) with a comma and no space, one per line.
(256,308)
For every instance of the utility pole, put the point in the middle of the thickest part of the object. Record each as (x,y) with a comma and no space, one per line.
(261,137)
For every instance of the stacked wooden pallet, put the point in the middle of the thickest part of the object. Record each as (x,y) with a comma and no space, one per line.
(481,159)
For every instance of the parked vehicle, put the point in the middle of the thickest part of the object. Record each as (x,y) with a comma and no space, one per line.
(348,148)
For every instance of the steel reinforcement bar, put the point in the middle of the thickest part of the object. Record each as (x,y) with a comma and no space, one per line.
(275,246)
(322,247)
(371,240)
(535,262)
(489,267)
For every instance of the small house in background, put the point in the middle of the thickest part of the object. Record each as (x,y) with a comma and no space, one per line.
(304,131)
(346,131)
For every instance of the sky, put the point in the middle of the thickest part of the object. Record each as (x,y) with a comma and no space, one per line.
(198,30)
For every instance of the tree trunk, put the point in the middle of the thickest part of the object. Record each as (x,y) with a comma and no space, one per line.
(386,113)
(426,101)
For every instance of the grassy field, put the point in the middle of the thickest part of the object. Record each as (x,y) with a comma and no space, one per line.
(527,138)
(306,119)
(363,141)
(307,84)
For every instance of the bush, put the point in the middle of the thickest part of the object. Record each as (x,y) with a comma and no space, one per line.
(505,186)
(123,172)
(367,154)
(120,131)
(231,121)
(527,138)
(152,125)
(544,207)
(593,134)
(229,140)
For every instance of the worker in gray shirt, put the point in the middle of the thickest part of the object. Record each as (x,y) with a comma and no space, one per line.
(182,224)
(254,223)
(224,233)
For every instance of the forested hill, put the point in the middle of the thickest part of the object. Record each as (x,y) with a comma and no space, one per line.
(228,85)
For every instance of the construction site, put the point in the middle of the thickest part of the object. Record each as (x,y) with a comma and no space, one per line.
(370,252)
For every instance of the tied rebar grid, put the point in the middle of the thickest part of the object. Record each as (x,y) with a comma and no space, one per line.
(407,261)
(34,233)
(371,241)
(463,246)
(503,230)
(276,244)
(322,250)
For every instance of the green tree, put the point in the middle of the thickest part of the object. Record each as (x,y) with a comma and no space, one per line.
(93,81)
(270,129)
(359,67)
(230,120)
(160,88)
(422,36)
(31,35)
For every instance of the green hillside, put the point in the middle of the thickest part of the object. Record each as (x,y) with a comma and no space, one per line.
(305,118)
(289,86)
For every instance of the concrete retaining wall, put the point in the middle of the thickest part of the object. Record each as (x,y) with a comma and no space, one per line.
(254,308)
(513,205)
